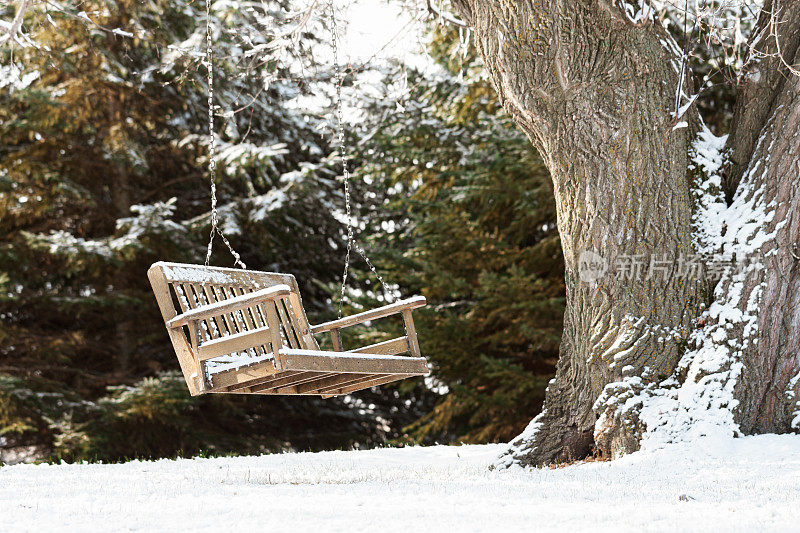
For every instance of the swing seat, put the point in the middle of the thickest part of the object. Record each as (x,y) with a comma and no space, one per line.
(243,331)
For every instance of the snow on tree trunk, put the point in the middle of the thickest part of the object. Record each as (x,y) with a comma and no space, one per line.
(742,374)
(768,390)
(594,86)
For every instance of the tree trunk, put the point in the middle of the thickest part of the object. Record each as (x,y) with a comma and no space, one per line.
(120,184)
(766,134)
(594,90)
(771,360)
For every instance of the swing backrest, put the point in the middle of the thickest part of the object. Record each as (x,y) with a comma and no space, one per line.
(182,287)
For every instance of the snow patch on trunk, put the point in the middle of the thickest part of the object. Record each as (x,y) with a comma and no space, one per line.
(521,444)
(790,393)
(698,399)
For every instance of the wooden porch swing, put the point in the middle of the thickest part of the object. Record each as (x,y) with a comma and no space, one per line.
(244,331)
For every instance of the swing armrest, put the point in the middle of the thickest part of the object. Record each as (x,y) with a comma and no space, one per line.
(373,314)
(230,305)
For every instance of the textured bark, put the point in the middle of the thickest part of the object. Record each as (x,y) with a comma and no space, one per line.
(765,402)
(767,135)
(594,93)
(761,86)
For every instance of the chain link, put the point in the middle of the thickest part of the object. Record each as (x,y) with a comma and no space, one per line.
(340,138)
(212,150)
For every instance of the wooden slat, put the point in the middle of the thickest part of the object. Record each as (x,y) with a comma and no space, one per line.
(183,298)
(250,317)
(281,379)
(182,272)
(229,305)
(191,297)
(304,329)
(296,326)
(288,330)
(245,316)
(366,384)
(221,328)
(258,314)
(185,303)
(275,335)
(201,327)
(334,382)
(411,333)
(363,381)
(305,388)
(240,342)
(254,383)
(318,361)
(212,326)
(374,314)
(290,381)
(390,347)
(232,378)
(222,320)
(336,340)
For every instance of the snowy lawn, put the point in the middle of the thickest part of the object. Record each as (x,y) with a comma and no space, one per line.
(744,484)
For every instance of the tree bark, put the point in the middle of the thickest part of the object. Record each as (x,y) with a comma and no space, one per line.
(771,360)
(766,134)
(762,84)
(594,90)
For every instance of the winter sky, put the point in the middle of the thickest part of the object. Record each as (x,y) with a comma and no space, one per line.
(381,28)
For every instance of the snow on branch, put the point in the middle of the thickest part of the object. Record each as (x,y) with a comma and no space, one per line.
(11,30)
(446,17)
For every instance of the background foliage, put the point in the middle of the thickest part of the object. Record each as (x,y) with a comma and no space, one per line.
(468,219)
(103,171)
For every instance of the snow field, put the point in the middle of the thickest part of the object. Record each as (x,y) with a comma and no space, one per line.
(746,484)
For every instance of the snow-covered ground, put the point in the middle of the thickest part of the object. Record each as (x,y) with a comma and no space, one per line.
(744,484)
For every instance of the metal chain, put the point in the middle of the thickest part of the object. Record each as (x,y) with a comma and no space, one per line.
(340,138)
(212,150)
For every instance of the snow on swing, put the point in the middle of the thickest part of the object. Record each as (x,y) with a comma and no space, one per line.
(234,361)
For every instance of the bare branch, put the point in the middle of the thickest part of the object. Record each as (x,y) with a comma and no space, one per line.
(294,32)
(773,29)
(447,17)
(16,24)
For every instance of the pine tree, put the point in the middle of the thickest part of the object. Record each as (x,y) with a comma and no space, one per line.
(103,157)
